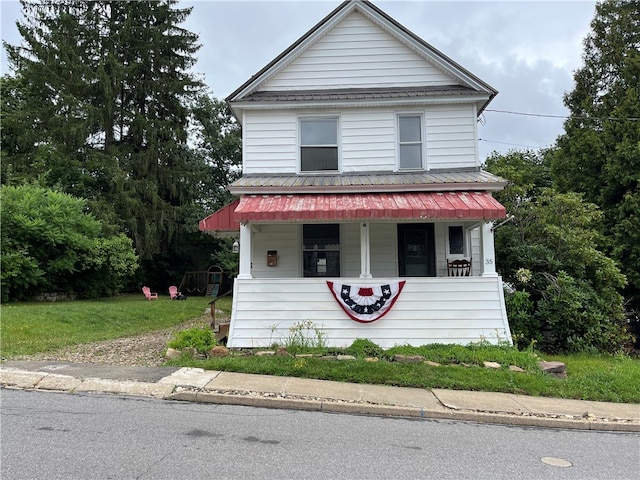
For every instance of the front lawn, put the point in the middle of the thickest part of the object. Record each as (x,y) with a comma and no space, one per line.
(34,327)
(29,327)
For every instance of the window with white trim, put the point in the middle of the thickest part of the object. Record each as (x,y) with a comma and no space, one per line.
(410,142)
(318,144)
(321,250)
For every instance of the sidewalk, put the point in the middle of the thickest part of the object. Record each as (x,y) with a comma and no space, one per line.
(206,386)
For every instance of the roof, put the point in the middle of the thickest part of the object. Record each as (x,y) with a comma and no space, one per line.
(465,77)
(347,94)
(221,222)
(393,207)
(463,179)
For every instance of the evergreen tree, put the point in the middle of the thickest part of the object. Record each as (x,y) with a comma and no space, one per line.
(599,154)
(107,87)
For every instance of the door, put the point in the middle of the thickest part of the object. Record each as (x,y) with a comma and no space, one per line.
(416,250)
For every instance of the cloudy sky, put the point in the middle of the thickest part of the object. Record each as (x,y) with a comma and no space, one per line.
(527,50)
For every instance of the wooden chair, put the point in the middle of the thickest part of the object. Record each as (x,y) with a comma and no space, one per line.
(147,293)
(459,268)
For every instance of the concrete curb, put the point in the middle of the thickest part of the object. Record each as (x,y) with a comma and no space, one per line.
(199,386)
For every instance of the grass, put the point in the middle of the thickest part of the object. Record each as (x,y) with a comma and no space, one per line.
(32,327)
(597,378)
(28,328)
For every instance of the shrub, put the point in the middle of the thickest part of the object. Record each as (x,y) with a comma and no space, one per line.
(202,339)
(363,347)
(50,243)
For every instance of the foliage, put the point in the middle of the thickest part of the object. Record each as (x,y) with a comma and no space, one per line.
(305,337)
(201,339)
(100,107)
(363,347)
(32,327)
(599,151)
(550,253)
(49,243)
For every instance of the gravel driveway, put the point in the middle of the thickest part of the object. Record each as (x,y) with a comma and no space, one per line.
(145,350)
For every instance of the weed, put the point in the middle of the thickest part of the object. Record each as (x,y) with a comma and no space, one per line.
(363,347)
(305,337)
(202,339)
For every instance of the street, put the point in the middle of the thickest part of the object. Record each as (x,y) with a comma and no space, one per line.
(71,436)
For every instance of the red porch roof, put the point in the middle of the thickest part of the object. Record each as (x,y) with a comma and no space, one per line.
(221,221)
(408,206)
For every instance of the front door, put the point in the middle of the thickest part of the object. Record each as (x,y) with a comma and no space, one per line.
(416,250)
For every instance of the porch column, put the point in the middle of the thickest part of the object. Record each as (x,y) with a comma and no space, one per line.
(488,251)
(365,254)
(244,270)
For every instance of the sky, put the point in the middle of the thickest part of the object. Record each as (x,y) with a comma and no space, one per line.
(527,50)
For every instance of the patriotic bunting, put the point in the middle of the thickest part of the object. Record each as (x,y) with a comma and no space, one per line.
(366,303)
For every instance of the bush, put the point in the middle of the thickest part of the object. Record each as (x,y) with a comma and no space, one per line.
(202,339)
(50,243)
(363,347)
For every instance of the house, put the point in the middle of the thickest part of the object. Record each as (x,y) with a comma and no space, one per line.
(361,181)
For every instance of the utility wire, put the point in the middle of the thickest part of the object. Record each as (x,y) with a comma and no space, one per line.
(579,117)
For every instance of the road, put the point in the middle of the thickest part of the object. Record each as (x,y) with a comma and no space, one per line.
(66,436)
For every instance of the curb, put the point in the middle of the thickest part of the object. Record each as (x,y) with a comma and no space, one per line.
(165,389)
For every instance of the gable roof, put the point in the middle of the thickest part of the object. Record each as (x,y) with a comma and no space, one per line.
(250,90)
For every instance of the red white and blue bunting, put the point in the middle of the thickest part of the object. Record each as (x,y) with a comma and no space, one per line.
(366,303)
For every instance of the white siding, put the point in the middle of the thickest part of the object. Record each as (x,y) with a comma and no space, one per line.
(356,53)
(367,139)
(285,239)
(429,310)
(451,137)
(270,142)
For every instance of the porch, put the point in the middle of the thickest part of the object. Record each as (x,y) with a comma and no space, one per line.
(428,310)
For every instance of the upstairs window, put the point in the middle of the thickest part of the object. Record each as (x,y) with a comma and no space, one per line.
(410,142)
(318,144)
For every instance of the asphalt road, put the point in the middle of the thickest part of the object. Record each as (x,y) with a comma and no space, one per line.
(71,436)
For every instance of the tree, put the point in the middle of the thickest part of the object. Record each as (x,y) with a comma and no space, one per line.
(106,86)
(599,153)
(567,291)
(49,243)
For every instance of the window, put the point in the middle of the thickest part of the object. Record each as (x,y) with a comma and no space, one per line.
(410,141)
(321,250)
(318,144)
(456,241)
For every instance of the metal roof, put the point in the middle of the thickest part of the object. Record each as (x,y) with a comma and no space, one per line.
(463,179)
(221,221)
(346,94)
(358,207)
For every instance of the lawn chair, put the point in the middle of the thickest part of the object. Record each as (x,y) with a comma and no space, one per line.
(148,295)
(174,293)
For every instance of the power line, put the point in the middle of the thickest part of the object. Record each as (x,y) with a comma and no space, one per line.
(578,117)
(506,143)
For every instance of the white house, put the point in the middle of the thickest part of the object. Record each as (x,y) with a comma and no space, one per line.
(361,181)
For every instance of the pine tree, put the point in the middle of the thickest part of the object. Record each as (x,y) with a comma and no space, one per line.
(599,153)
(108,88)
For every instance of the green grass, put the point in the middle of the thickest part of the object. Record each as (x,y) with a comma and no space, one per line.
(32,327)
(602,378)
(28,328)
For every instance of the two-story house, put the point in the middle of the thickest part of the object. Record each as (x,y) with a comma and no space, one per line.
(361,184)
